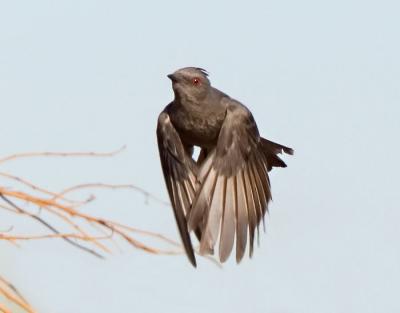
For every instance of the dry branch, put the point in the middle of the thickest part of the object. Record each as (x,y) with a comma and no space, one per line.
(12,294)
(60,154)
(49,208)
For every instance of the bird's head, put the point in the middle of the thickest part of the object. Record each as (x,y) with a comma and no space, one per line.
(190,83)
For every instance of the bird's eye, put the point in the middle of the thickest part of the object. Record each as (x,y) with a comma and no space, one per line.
(196,81)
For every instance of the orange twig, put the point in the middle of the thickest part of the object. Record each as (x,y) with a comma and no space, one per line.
(12,294)
(34,187)
(110,186)
(58,207)
(49,236)
(60,154)
(4,309)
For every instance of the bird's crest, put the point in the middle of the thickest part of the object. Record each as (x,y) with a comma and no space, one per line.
(205,73)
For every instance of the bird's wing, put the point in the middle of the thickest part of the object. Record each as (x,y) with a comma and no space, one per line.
(180,176)
(235,188)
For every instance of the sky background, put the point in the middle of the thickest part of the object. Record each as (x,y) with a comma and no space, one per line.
(322,77)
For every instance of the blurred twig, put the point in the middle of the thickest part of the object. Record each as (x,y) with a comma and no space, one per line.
(12,294)
(83,231)
(60,154)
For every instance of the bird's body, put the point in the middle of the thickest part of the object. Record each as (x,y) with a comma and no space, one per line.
(198,123)
(227,187)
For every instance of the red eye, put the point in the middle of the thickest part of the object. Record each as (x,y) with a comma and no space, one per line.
(196,81)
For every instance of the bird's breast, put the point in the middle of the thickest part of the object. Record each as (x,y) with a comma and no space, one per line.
(198,128)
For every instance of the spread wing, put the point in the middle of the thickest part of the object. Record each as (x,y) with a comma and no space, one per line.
(235,188)
(180,177)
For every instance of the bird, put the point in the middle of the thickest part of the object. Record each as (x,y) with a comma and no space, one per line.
(223,194)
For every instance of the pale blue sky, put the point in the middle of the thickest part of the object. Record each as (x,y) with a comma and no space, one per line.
(320,76)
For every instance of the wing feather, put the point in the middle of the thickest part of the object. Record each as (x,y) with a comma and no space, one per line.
(210,234)
(228,219)
(251,211)
(242,219)
(180,177)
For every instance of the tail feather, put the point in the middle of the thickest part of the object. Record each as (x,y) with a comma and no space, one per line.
(271,149)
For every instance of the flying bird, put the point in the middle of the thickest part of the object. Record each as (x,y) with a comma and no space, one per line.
(225,192)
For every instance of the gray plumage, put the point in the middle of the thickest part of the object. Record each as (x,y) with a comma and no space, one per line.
(226,191)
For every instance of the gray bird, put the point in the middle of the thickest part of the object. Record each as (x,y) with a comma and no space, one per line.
(225,191)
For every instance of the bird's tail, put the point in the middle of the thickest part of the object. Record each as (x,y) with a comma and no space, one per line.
(271,151)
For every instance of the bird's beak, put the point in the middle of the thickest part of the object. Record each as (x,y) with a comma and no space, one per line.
(172,77)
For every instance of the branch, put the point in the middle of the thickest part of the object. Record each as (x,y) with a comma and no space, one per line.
(47,225)
(35,187)
(60,154)
(75,227)
(110,186)
(12,294)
